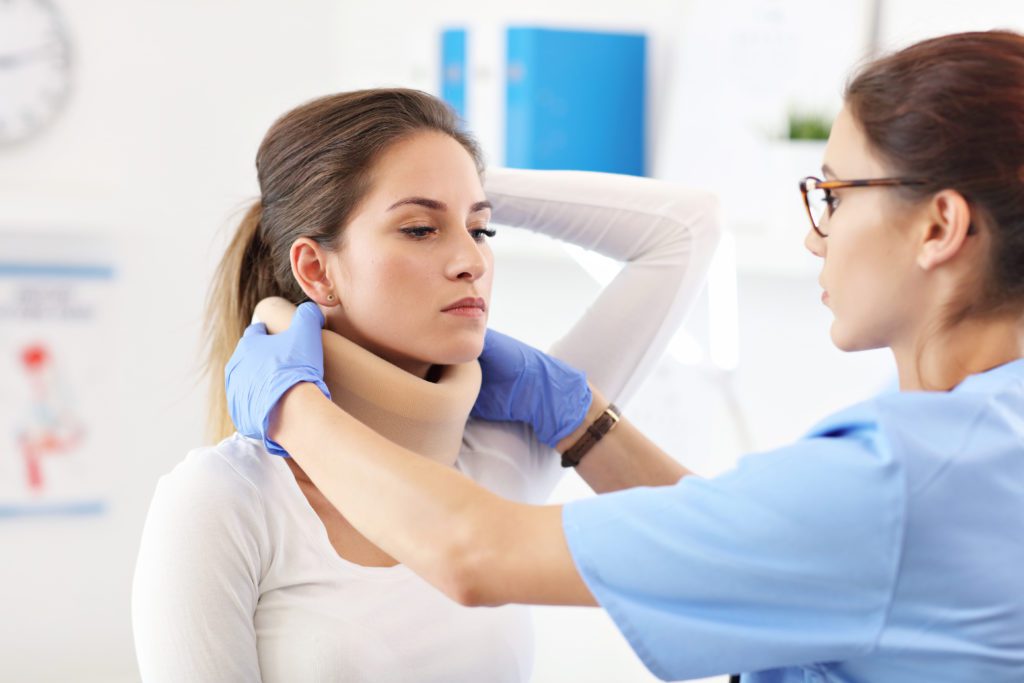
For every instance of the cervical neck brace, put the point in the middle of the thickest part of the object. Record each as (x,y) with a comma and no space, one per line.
(425,417)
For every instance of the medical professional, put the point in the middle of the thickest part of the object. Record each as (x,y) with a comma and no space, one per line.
(887,544)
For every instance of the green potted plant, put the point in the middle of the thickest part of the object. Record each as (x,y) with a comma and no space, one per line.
(807,126)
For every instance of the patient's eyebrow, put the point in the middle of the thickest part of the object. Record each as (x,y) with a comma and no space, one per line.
(435,205)
(421,201)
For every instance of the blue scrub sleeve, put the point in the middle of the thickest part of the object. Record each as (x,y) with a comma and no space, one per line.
(788,559)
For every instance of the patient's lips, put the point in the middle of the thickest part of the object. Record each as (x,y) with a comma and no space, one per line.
(468,307)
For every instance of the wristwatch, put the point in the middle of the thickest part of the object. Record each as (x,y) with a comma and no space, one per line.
(605,422)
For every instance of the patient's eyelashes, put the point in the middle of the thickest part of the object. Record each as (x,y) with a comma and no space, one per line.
(423,231)
(418,232)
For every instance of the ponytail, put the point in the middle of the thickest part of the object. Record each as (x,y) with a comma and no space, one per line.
(243,277)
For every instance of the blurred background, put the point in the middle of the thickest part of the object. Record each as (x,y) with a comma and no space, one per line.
(128,132)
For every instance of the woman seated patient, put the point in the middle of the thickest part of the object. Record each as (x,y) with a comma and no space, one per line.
(373,205)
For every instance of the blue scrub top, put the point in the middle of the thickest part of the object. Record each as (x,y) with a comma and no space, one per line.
(885,545)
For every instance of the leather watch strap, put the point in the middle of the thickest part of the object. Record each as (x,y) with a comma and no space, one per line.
(601,426)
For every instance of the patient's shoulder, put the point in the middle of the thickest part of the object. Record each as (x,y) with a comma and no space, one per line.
(231,473)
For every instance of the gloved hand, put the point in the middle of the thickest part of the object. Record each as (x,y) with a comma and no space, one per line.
(523,384)
(265,366)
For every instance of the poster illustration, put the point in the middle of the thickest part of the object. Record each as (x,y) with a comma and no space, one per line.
(57,384)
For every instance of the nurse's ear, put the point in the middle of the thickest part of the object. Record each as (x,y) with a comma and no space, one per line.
(947,226)
(309,267)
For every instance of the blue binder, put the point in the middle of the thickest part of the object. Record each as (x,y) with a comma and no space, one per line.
(575,100)
(453,69)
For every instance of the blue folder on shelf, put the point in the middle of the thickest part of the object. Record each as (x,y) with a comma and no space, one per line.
(575,100)
(453,69)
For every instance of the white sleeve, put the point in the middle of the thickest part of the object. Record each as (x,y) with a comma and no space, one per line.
(666,236)
(197,576)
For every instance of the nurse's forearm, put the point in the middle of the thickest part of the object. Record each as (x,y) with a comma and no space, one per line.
(476,547)
(624,458)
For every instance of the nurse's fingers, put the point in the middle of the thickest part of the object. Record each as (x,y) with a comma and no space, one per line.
(308,317)
(255,328)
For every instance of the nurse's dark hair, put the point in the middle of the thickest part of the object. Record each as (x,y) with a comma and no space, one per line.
(313,168)
(950,111)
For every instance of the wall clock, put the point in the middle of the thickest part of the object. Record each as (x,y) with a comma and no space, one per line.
(35,67)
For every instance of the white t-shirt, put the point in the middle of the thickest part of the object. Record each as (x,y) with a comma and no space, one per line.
(236,578)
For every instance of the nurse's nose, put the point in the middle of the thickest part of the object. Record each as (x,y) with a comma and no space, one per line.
(815,243)
(468,261)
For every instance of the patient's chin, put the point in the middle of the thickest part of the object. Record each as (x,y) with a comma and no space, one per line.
(456,354)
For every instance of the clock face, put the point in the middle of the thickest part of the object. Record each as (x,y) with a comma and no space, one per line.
(35,67)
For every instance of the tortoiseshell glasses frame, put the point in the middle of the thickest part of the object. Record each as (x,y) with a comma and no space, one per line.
(811,186)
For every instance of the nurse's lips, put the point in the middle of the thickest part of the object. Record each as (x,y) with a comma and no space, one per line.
(468,308)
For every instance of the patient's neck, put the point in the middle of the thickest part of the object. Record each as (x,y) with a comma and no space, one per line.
(419,406)
(425,412)
(413,366)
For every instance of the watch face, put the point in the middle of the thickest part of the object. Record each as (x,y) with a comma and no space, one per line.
(35,67)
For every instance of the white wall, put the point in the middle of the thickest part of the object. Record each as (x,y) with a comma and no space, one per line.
(156,148)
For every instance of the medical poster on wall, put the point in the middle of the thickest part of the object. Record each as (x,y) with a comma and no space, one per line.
(57,384)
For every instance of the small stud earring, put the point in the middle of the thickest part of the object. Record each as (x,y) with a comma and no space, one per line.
(330,297)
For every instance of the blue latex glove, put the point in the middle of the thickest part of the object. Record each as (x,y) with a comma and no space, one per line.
(265,366)
(523,384)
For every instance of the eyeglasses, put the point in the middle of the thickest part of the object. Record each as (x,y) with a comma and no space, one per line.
(818,197)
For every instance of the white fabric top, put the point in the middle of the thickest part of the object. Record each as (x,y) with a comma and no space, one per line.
(236,578)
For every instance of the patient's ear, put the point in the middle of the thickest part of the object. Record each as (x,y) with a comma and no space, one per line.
(309,267)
